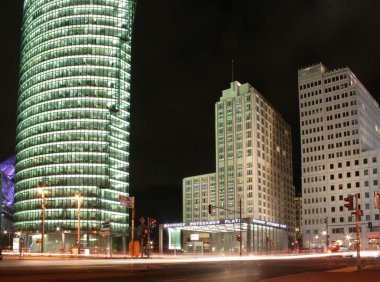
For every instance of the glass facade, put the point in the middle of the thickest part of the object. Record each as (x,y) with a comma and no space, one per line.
(73,114)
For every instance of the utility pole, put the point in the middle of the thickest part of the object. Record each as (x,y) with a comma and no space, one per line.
(377,204)
(327,232)
(41,190)
(241,241)
(78,196)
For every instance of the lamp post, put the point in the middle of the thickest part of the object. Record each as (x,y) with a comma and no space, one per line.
(9,239)
(78,197)
(42,191)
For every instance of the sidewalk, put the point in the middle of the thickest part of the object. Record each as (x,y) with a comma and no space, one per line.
(369,273)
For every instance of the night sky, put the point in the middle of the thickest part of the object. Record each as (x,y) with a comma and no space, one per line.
(181,62)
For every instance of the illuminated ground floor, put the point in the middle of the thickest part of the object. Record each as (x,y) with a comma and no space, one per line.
(224,237)
(65,242)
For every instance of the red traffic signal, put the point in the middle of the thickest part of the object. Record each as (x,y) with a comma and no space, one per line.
(153,223)
(238,237)
(350,202)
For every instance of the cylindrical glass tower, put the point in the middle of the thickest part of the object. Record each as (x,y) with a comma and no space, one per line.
(73,121)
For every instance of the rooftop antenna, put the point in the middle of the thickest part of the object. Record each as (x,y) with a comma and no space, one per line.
(232,70)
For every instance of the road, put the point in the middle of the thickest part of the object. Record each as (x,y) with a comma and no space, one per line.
(160,270)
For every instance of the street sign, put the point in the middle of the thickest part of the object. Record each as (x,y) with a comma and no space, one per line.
(127,202)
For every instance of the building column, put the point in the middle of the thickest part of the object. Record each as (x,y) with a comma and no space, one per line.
(249,238)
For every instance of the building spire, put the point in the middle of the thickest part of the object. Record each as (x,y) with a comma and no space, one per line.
(232,70)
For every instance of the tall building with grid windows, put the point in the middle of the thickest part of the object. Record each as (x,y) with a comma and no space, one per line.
(253,163)
(340,143)
(73,121)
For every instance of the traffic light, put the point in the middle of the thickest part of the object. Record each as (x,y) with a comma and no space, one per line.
(238,237)
(350,202)
(153,223)
(210,209)
(369,224)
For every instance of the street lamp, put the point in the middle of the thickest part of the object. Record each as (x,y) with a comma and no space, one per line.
(42,191)
(78,196)
(9,239)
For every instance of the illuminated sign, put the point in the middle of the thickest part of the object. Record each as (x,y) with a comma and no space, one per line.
(201,223)
(229,221)
(174,225)
(226,221)
(268,223)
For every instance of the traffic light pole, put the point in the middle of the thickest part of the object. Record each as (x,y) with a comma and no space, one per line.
(240,222)
(133,232)
(148,238)
(241,241)
(358,242)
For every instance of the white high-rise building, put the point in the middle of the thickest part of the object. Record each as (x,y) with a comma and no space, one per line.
(253,163)
(340,143)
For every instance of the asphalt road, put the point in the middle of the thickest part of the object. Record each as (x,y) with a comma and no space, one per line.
(161,270)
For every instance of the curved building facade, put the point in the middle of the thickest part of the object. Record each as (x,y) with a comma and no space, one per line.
(73,121)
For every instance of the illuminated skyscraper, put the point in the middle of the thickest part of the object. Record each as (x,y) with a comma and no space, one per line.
(73,119)
(253,163)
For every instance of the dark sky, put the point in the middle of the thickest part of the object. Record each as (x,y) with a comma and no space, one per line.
(181,62)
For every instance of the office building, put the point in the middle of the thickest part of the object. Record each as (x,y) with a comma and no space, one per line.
(340,142)
(7,171)
(73,122)
(253,166)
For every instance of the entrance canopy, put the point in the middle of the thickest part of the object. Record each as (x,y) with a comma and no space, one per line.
(256,235)
(223,225)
